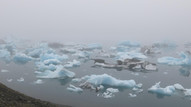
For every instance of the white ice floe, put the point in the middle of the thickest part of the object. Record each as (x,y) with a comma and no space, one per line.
(129,43)
(4,70)
(71,64)
(108,80)
(48,56)
(39,81)
(9,80)
(60,72)
(130,55)
(52,61)
(132,95)
(184,60)
(73,88)
(110,92)
(82,54)
(20,79)
(21,58)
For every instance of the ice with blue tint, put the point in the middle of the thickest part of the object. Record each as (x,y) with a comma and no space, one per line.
(82,54)
(21,58)
(60,73)
(52,61)
(39,49)
(48,56)
(93,46)
(165,44)
(42,67)
(108,80)
(73,88)
(169,90)
(129,44)
(5,55)
(184,60)
(176,89)
(71,64)
(130,55)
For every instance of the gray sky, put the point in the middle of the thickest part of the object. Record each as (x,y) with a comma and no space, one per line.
(97,20)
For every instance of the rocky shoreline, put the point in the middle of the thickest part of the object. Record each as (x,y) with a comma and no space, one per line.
(11,98)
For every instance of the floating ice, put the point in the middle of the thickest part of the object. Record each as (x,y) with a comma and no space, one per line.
(48,56)
(93,46)
(169,90)
(132,95)
(82,54)
(68,51)
(129,55)
(108,80)
(178,87)
(129,43)
(20,79)
(110,92)
(4,70)
(5,55)
(52,61)
(73,88)
(9,80)
(60,72)
(185,60)
(39,81)
(21,58)
(164,44)
(74,63)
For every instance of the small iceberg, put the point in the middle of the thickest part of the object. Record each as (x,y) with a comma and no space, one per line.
(21,58)
(130,55)
(5,55)
(108,80)
(93,46)
(73,88)
(129,44)
(39,81)
(60,73)
(184,60)
(20,79)
(71,64)
(4,70)
(109,93)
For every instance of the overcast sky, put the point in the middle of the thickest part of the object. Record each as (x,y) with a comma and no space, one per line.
(96,20)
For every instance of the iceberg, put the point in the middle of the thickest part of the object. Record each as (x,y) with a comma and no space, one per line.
(185,60)
(164,44)
(132,95)
(5,55)
(93,46)
(73,88)
(21,58)
(110,92)
(168,91)
(48,56)
(20,79)
(108,80)
(129,55)
(4,70)
(60,73)
(68,51)
(129,43)
(74,63)
(82,54)
(52,61)
(9,80)
(39,81)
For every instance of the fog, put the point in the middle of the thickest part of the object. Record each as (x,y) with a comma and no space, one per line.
(104,21)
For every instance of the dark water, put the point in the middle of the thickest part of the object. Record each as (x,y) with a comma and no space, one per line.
(54,90)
